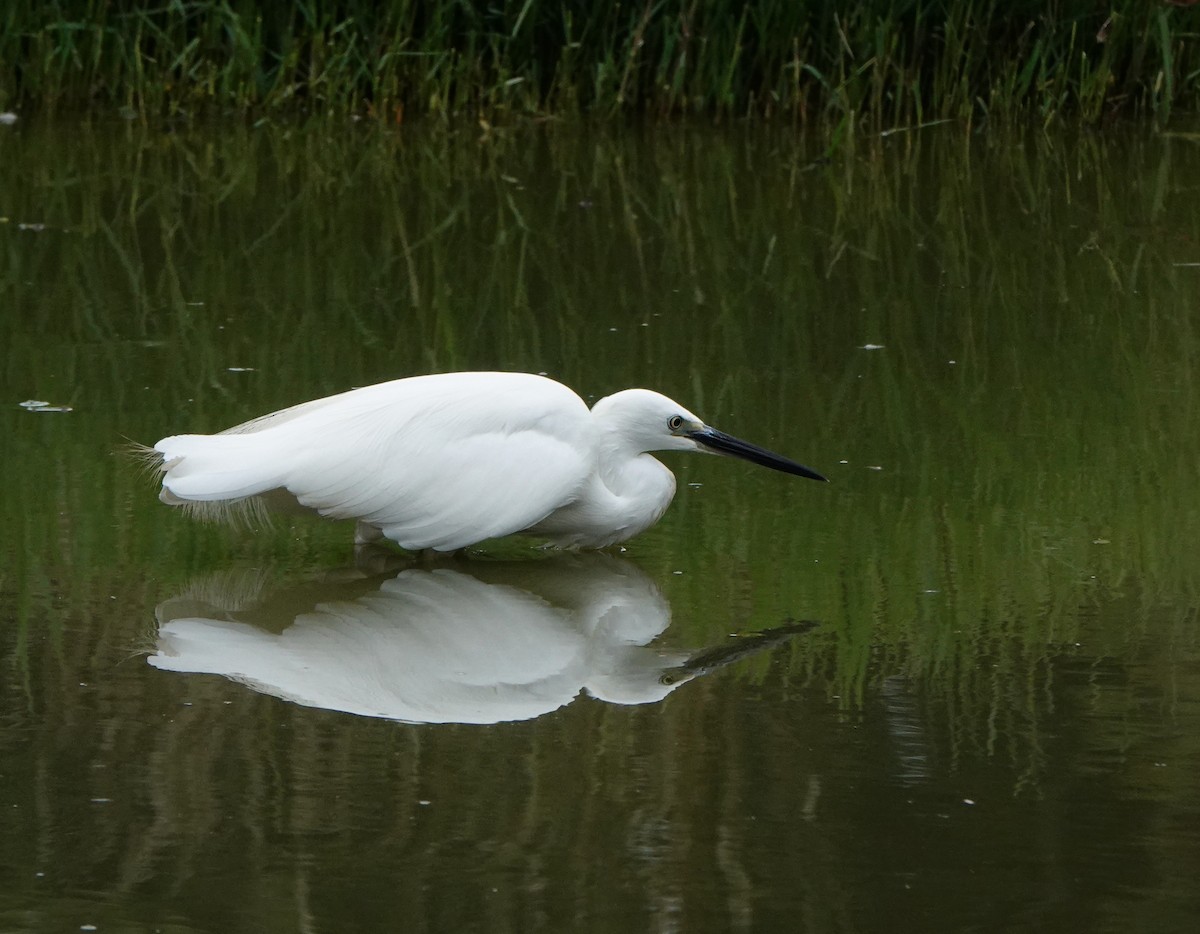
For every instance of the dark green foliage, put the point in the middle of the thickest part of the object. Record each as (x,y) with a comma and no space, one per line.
(883,64)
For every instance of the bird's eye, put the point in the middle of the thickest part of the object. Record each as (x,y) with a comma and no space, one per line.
(674,422)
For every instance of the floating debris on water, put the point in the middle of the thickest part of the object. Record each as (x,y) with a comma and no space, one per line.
(8,118)
(872,347)
(37,405)
(240,369)
(36,228)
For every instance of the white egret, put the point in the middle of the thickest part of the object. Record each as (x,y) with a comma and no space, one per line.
(445,461)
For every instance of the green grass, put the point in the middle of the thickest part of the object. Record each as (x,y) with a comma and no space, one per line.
(882,65)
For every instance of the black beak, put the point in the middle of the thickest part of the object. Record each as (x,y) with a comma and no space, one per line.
(721,443)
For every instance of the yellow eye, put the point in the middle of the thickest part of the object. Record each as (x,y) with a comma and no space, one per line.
(674,422)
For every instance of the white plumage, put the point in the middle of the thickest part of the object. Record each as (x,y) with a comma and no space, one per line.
(445,461)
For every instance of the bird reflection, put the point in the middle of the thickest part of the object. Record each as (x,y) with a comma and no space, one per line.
(463,642)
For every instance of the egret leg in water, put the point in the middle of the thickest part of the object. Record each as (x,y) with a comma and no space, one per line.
(445,461)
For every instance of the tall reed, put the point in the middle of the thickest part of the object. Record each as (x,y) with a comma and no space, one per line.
(883,64)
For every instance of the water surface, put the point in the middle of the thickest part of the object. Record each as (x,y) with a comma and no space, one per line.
(989,346)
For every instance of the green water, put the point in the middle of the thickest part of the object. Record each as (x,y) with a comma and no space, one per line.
(989,345)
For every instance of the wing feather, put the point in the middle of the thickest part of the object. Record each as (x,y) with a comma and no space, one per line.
(435,462)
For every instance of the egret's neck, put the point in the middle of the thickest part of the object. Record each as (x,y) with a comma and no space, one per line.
(623,468)
(626,493)
(624,432)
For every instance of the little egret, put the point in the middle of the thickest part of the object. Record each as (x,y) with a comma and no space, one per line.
(445,461)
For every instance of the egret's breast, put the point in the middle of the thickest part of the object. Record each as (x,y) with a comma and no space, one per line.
(612,508)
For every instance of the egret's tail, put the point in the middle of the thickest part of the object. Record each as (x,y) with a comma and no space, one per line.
(220,477)
(146,457)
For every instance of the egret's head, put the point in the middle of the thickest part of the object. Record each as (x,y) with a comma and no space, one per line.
(643,421)
(647,421)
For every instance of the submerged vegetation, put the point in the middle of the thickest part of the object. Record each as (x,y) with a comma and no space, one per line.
(1017,413)
(1006,607)
(886,63)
